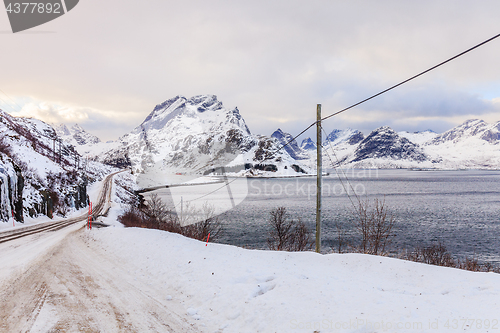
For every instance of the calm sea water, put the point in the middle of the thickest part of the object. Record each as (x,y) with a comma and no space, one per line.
(460,209)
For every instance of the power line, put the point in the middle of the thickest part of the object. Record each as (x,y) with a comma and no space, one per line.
(12,100)
(343,173)
(394,86)
(413,77)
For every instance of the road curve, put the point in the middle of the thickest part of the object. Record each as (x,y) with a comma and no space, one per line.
(98,208)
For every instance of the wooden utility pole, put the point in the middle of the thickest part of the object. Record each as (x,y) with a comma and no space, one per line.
(319,177)
(54,148)
(60,154)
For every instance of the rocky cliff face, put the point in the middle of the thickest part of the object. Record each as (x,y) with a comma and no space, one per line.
(11,190)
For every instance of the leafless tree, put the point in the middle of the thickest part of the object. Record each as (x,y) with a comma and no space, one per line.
(209,223)
(286,234)
(155,208)
(341,238)
(375,224)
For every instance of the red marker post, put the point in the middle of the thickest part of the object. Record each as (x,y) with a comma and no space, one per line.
(91,216)
(13,220)
(208,237)
(89,220)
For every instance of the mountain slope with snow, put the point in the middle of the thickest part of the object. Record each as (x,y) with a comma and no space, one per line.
(474,144)
(39,173)
(290,145)
(419,138)
(384,148)
(76,135)
(196,135)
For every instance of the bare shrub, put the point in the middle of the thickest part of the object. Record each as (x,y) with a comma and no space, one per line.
(301,239)
(437,254)
(63,210)
(155,214)
(433,255)
(343,244)
(374,223)
(156,209)
(210,224)
(470,264)
(286,234)
(280,231)
(134,217)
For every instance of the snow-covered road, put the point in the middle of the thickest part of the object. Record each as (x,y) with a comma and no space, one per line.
(60,281)
(76,287)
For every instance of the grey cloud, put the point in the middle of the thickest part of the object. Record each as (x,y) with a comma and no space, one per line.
(272,59)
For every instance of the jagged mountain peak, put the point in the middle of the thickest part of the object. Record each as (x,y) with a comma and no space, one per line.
(279,133)
(206,108)
(193,133)
(308,144)
(62,130)
(77,128)
(292,148)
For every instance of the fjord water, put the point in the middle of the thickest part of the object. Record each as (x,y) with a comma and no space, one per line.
(460,209)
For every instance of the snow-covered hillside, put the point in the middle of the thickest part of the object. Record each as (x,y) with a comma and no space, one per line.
(224,288)
(474,144)
(418,138)
(85,143)
(39,172)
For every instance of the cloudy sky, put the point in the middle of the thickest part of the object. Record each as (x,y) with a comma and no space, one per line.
(106,64)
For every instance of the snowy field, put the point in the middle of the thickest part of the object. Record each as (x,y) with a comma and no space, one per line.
(229,289)
(117,279)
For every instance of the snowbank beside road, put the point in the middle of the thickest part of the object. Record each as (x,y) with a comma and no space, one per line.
(230,289)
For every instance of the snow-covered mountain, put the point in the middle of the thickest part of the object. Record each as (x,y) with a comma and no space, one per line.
(474,144)
(76,135)
(198,135)
(85,143)
(418,137)
(290,145)
(471,145)
(385,148)
(348,136)
(473,128)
